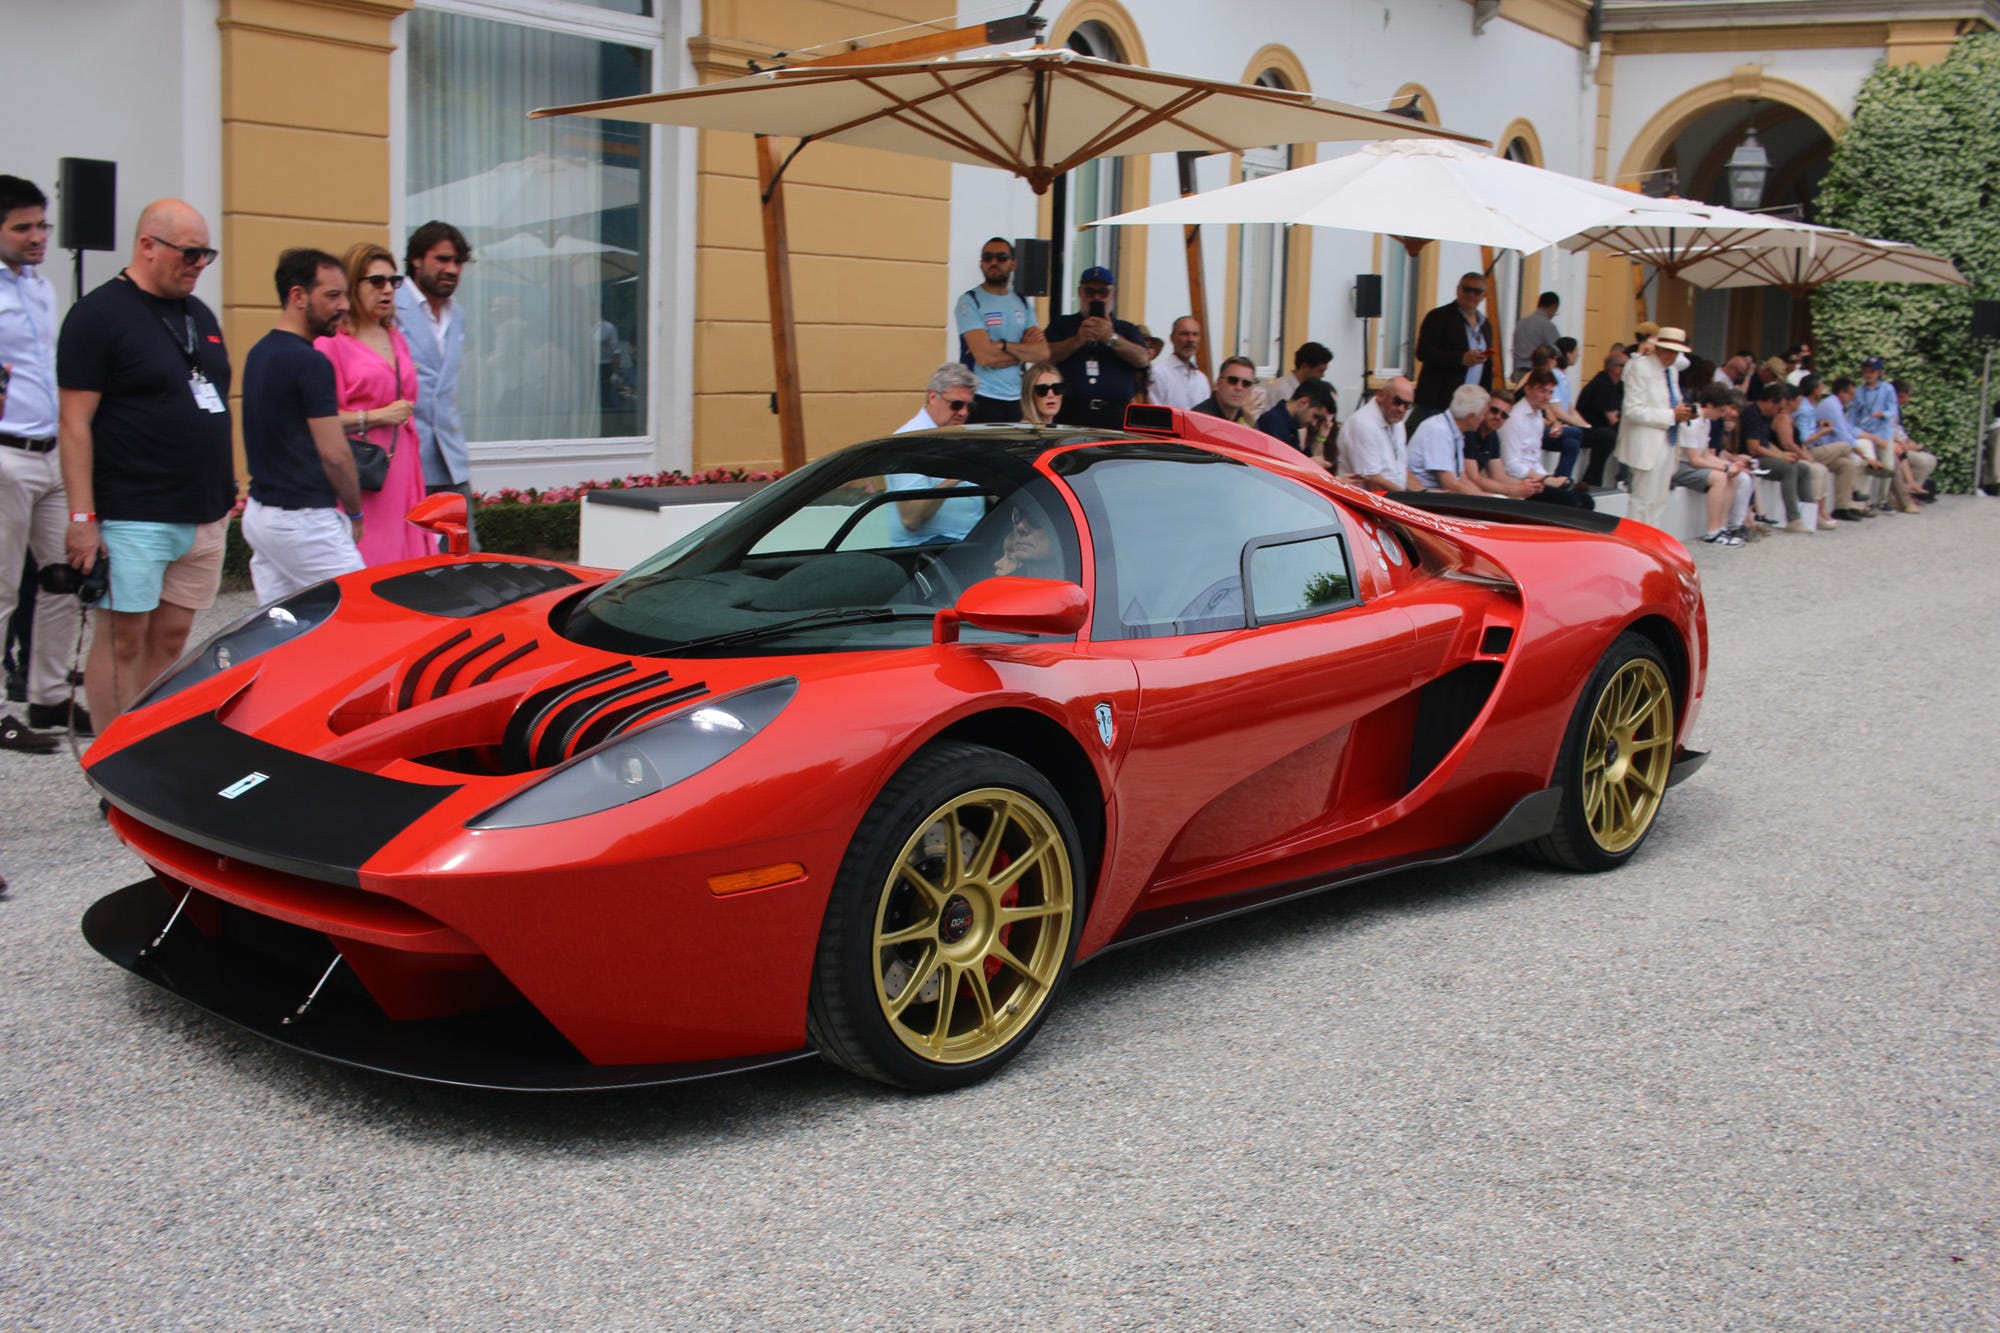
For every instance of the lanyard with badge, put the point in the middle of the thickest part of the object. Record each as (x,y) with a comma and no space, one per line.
(205,396)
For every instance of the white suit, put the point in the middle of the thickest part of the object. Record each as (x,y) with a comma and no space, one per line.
(1644,419)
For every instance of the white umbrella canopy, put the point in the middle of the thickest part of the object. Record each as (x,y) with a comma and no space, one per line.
(1829,255)
(1036,113)
(1671,234)
(1424,189)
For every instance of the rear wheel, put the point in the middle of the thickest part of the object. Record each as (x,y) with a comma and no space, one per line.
(952,922)
(1615,760)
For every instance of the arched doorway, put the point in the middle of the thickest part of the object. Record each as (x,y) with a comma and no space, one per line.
(1686,150)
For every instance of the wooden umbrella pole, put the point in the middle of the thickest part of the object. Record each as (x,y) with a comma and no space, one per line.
(778,282)
(1197,282)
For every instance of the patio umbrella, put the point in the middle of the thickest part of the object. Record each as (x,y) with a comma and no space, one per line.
(1669,235)
(1421,189)
(1829,255)
(1037,113)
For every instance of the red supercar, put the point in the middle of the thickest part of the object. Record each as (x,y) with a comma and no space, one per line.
(863,767)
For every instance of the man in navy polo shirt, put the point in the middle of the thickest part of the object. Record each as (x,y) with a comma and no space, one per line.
(304,514)
(1099,356)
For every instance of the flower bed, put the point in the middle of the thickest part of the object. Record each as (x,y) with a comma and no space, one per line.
(541,524)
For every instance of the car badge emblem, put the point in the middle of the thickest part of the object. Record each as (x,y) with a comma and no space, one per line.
(242,784)
(1105,731)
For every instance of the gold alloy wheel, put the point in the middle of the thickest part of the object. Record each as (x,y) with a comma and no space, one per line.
(972,927)
(1627,754)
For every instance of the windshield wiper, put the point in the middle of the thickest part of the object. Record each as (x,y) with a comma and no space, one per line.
(852,615)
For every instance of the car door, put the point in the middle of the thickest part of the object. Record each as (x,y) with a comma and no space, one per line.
(1232,591)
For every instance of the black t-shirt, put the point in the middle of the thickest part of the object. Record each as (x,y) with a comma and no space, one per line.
(286,382)
(1599,397)
(157,455)
(1482,447)
(1753,425)
(1115,383)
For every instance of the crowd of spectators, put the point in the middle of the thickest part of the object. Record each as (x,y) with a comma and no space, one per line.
(1652,418)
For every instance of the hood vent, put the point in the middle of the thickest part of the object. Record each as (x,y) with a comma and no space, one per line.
(564,720)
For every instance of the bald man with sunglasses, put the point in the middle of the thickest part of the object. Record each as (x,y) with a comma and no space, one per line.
(144,434)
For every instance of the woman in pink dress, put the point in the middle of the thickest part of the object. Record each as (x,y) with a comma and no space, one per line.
(377,386)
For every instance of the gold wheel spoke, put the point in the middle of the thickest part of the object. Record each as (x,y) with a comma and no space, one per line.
(989,846)
(910,875)
(954,851)
(1006,958)
(1007,916)
(976,981)
(1023,863)
(947,1001)
(923,930)
(918,976)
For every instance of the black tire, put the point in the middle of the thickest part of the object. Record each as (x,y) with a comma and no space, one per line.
(1612,785)
(921,924)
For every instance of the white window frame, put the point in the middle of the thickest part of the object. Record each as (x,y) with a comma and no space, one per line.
(545,462)
(1265,345)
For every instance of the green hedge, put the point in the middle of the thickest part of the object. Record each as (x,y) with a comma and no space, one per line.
(541,531)
(1920,163)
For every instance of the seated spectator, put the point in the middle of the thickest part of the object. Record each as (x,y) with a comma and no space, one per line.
(1797,475)
(1303,420)
(1310,362)
(1373,447)
(1485,469)
(1599,405)
(1234,379)
(1839,468)
(1915,462)
(1830,411)
(1701,468)
(1437,449)
(1530,429)
(935,518)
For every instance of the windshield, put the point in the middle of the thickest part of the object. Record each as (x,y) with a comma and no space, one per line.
(858,550)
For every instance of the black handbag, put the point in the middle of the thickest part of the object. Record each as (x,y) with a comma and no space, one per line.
(371,463)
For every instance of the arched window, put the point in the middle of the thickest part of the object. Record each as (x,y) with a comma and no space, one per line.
(1509,301)
(1094,190)
(1260,290)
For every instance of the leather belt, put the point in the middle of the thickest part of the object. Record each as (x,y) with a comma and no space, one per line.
(32,446)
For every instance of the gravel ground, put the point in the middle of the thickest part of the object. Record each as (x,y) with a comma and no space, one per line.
(1746,1082)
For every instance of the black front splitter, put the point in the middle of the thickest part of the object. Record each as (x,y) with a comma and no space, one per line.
(513,1049)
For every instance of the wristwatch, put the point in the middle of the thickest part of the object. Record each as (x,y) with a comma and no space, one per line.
(1113,342)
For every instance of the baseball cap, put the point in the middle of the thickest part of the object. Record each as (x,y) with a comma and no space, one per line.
(1097,273)
(1872,363)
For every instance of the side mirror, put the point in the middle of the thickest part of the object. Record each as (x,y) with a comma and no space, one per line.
(445,514)
(1015,606)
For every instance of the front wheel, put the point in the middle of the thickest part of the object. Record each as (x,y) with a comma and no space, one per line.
(952,923)
(1616,758)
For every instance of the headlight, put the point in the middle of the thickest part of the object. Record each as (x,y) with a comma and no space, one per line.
(642,762)
(262,630)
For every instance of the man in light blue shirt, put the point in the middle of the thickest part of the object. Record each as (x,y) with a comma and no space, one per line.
(34,508)
(1000,334)
(434,326)
(1437,450)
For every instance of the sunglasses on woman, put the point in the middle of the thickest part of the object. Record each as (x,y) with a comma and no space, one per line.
(379,281)
(1044,390)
